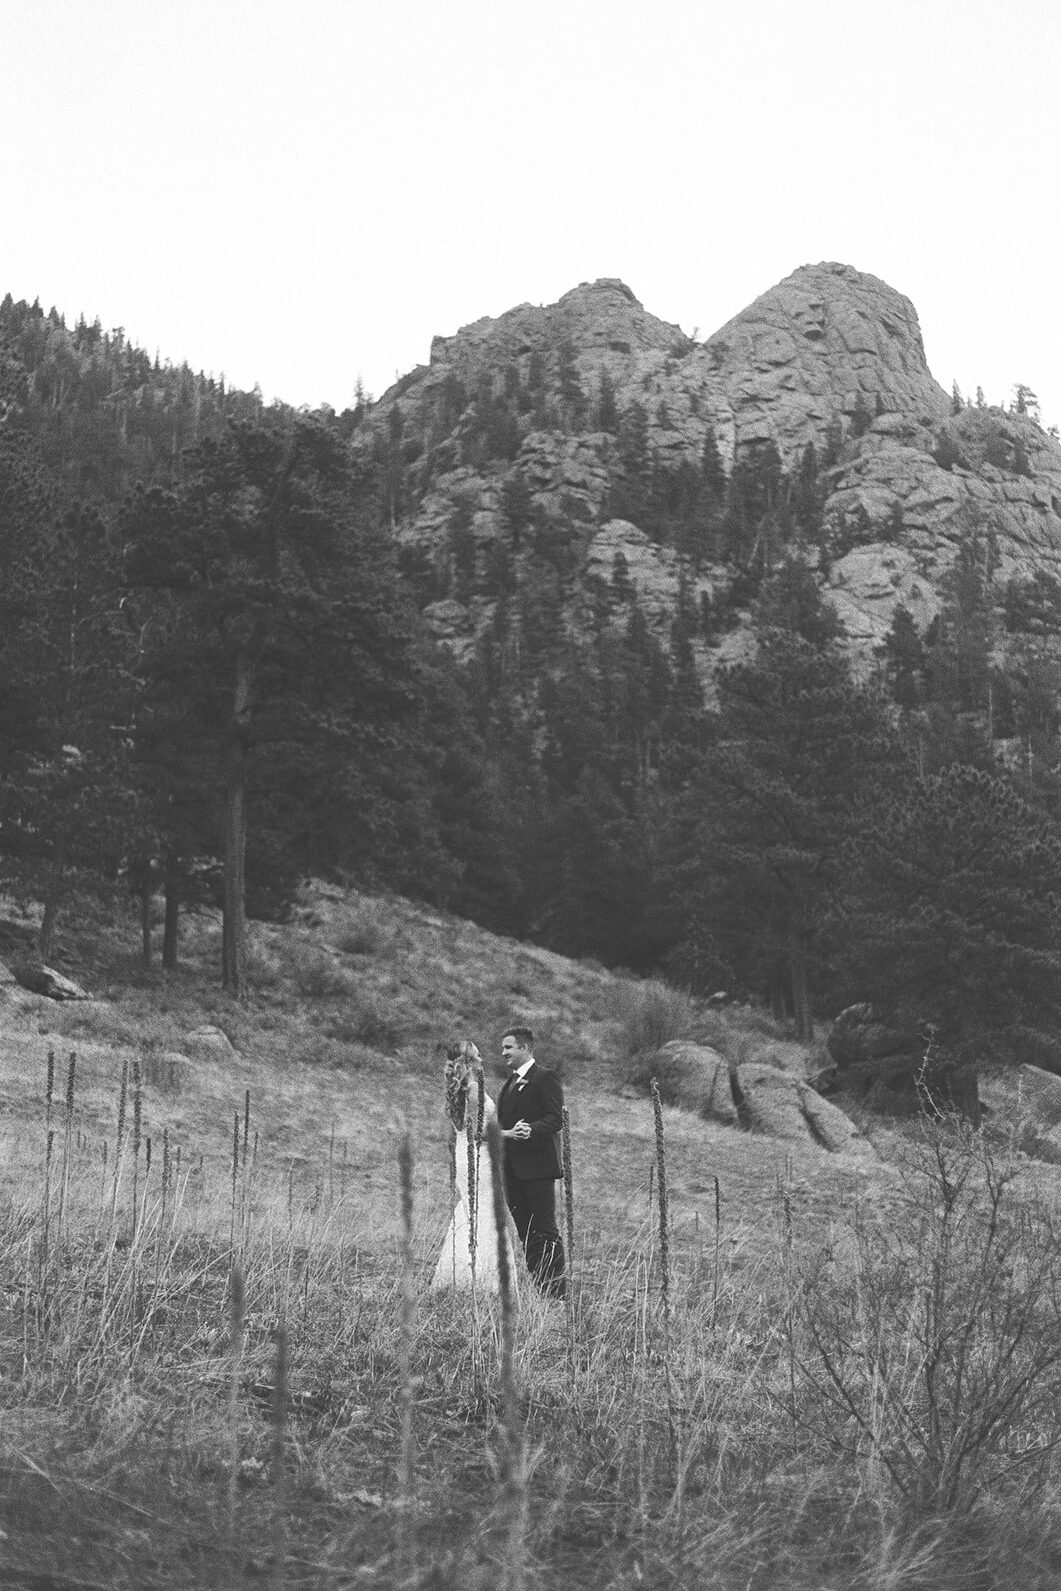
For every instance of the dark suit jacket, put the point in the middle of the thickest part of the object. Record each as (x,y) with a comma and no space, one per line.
(537,1099)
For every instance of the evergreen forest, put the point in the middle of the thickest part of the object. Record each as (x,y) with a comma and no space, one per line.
(218,676)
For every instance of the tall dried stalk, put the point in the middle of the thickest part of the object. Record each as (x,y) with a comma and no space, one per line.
(472,1145)
(480,1108)
(278,1476)
(407,1329)
(784,1200)
(246,1173)
(664,1259)
(49,1148)
(453,1135)
(68,1129)
(119,1148)
(236,1302)
(166,1175)
(664,1212)
(718,1250)
(514,1467)
(569,1225)
(137,1123)
(235,1176)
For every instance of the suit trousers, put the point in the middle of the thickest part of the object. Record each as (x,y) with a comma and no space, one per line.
(532,1201)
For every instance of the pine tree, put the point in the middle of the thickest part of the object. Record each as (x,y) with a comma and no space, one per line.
(607,407)
(712,469)
(904,659)
(952,917)
(298,649)
(796,749)
(960,667)
(808,500)
(572,397)
(64,663)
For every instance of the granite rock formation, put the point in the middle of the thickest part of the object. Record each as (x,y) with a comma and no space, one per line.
(830,357)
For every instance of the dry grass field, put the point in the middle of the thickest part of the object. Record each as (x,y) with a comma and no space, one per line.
(220,1364)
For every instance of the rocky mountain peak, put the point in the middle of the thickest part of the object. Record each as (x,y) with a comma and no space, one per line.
(827,343)
(594,319)
(588,435)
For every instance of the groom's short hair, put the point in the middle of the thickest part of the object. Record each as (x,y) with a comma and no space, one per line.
(524,1037)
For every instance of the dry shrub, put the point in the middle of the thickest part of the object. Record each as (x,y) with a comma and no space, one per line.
(265,966)
(321,1050)
(318,976)
(365,930)
(103,1023)
(363,1019)
(935,1368)
(650,1014)
(784,1055)
(166,1071)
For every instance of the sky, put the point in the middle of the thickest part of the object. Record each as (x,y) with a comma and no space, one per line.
(301,195)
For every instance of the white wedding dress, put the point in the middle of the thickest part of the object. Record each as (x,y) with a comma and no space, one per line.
(454,1268)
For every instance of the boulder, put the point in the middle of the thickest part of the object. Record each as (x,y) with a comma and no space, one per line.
(832,1127)
(169,1071)
(784,1055)
(695,1078)
(885,1066)
(780,1105)
(875,1062)
(768,1102)
(208,1042)
(39,979)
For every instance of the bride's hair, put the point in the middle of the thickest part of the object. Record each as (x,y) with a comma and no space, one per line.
(462,1062)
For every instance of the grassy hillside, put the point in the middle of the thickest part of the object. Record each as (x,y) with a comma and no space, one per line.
(218,1369)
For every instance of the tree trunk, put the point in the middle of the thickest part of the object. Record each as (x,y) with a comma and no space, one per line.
(778,1004)
(171,921)
(54,889)
(47,931)
(800,992)
(146,896)
(234,925)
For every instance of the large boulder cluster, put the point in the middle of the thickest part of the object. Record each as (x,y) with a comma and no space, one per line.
(762,1093)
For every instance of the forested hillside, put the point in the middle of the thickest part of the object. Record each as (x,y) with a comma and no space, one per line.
(593,633)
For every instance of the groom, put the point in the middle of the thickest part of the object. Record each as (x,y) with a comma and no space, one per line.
(529,1113)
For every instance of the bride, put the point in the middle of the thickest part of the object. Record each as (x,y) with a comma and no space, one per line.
(469,1255)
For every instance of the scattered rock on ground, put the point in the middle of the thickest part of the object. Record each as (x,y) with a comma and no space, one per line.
(885,1066)
(784,1055)
(696,1078)
(208,1041)
(39,979)
(781,1105)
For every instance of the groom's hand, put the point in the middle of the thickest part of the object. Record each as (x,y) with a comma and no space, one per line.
(520,1130)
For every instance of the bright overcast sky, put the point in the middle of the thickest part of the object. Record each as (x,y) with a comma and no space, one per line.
(301,192)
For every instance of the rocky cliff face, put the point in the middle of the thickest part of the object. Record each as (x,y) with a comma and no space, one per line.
(826,344)
(549,412)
